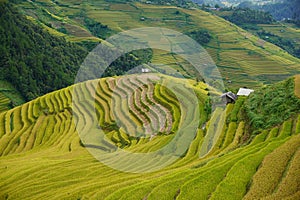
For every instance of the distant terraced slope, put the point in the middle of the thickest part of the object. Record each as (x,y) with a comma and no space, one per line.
(241,57)
(42,156)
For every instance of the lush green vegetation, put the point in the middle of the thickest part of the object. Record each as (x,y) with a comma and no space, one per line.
(128,62)
(96,28)
(201,36)
(33,60)
(248,16)
(297,86)
(272,105)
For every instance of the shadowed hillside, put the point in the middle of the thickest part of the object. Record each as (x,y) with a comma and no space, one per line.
(34,61)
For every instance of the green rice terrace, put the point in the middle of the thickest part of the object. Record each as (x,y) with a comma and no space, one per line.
(242,58)
(164,133)
(231,156)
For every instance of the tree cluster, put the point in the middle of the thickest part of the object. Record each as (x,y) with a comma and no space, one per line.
(272,105)
(201,36)
(128,61)
(243,16)
(96,28)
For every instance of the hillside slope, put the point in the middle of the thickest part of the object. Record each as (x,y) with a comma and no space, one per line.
(243,59)
(32,60)
(42,156)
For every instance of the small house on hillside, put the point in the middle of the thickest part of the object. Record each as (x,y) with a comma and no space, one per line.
(145,70)
(244,92)
(229,97)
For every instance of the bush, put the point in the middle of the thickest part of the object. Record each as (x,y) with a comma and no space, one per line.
(201,36)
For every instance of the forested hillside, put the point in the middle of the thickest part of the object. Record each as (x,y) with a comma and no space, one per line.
(270,106)
(279,10)
(33,60)
(248,16)
(37,62)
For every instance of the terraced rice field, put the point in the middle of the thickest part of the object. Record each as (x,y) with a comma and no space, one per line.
(285,30)
(4,103)
(242,57)
(42,155)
